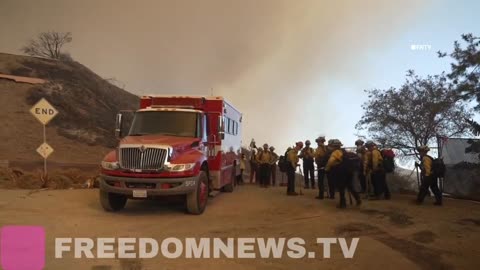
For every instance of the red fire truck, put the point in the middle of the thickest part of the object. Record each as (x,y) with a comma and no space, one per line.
(176,145)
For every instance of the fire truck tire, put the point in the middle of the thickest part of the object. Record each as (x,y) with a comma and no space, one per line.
(112,202)
(197,200)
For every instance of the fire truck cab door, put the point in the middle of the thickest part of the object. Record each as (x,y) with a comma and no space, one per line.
(209,139)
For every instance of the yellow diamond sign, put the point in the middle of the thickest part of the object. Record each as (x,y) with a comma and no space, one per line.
(43,111)
(45,150)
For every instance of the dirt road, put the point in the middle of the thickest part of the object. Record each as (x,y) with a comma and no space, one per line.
(393,234)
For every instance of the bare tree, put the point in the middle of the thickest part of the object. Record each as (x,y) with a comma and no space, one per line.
(48,45)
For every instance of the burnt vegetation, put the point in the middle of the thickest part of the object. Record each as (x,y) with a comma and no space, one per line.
(87,103)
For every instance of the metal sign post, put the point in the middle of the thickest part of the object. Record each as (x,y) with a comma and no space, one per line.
(45,155)
(44,112)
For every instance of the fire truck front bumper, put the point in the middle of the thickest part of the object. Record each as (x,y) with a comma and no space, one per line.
(147,187)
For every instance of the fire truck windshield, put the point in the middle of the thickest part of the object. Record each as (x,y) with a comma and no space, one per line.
(169,123)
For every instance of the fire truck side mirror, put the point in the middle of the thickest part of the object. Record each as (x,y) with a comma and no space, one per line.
(118,125)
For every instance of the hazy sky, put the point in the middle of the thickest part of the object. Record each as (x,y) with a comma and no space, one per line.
(296,68)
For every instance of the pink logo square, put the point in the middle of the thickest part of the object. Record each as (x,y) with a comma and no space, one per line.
(22,247)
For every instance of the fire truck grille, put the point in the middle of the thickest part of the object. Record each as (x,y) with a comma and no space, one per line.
(134,158)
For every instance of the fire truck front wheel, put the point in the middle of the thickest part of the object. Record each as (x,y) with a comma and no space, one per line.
(197,200)
(112,202)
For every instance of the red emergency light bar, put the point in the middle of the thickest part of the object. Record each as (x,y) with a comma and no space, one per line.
(172,101)
(172,106)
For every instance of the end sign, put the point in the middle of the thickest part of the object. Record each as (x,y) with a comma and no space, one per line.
(43,111)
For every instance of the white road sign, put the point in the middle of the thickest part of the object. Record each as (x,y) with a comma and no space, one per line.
(43,111)
(45,150)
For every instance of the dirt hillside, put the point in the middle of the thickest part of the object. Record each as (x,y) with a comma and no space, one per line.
(82,132)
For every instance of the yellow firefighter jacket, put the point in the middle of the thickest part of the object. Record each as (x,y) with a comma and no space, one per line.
(274,158)
(307,153)
(334,160)
(292,156)
(426,166)
(373,161)
(320,153)
(264,157)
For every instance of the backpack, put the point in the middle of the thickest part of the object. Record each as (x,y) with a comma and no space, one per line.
(388,160)
(283,162)
(438,167)
(350,161)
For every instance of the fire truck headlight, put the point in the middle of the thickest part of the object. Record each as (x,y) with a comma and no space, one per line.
(110,165)
(180,167)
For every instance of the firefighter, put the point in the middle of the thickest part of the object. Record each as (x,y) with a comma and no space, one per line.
(319,155)
(292,157)
(330,180)
(253,165)
(242,169)
(429,179)
(283,184)
(264,159)
(257,173)
(373,167)
(361,151)
(307,154)
(273,168)
(336,171)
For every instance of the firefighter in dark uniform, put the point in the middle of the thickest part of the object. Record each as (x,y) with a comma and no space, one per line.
(264,159)
(342,178)
(361,151)
(429,179)
(292,157)
(319,155)
(373,166)
(307,154)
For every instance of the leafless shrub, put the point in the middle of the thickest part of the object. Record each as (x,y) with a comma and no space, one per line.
(48,45)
